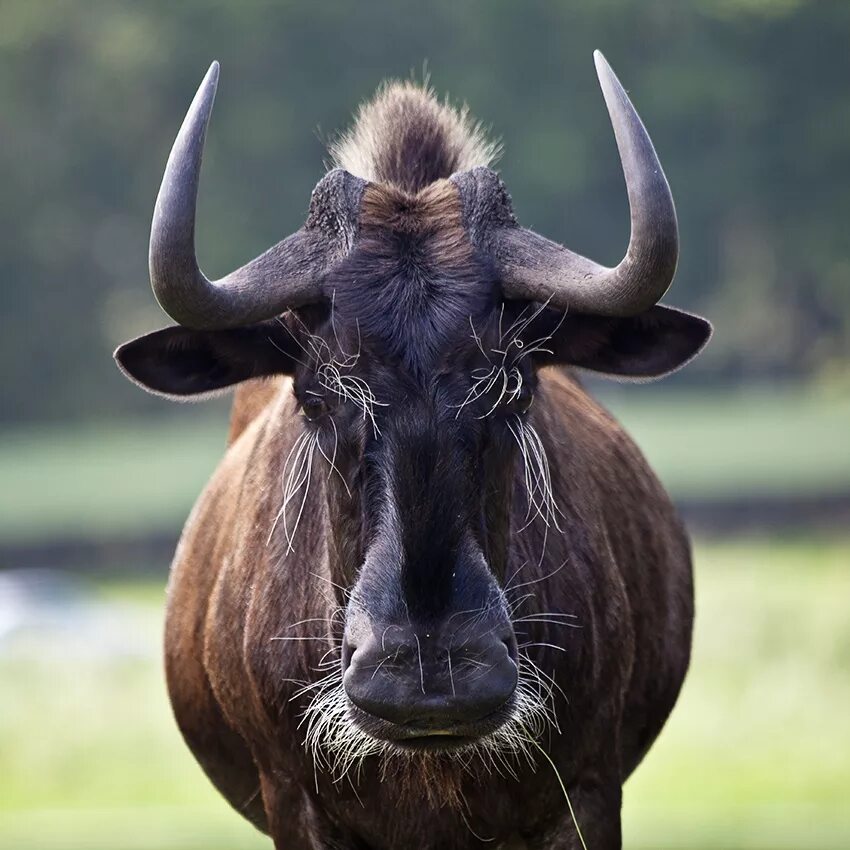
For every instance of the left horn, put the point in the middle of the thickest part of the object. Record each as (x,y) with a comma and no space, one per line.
(283,277)
(538,269)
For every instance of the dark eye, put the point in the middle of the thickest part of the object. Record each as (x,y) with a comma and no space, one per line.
(522,401)
(314,406)
(519,394)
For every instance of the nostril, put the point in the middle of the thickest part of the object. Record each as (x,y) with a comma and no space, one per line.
(348,649)
(357,635)
(510,643)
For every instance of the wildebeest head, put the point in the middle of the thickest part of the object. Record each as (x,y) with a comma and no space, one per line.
(413,313)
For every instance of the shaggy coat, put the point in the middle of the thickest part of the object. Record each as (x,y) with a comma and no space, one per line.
(627,580)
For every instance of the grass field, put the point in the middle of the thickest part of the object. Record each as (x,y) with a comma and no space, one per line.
(755,757)
(141,476)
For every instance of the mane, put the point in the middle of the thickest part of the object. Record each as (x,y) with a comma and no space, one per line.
(407,138)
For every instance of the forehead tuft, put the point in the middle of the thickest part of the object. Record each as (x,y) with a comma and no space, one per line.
(407,138)
(413,281)
(433,212)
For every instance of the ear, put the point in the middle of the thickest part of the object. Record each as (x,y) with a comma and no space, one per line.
(180,363)
(650,345)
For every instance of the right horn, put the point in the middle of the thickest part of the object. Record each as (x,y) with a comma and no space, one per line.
(287,275)
(535,268)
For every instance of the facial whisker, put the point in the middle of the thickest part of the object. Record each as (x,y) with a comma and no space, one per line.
(294,456)
(303,480)
(540,643)
(537,473)
(421,669)
(332,460)
(549,622)
(477,339)
(323,638)
(514,587)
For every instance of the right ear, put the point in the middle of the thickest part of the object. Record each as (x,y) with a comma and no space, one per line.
(180,363)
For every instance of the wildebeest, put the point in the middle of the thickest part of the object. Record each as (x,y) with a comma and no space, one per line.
(432,579)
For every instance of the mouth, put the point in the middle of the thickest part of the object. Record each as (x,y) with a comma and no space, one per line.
(435,742)
(414,738)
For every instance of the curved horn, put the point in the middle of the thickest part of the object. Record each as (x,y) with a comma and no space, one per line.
(284,276)
(535,268)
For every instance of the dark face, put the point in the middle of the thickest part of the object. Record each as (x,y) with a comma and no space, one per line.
(420,462)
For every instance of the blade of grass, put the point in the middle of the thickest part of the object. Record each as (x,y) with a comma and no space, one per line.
(563,788)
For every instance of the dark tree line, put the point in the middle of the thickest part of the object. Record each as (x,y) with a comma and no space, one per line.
(748,102)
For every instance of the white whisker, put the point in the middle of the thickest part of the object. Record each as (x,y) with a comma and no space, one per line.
(536,475)
(338,745)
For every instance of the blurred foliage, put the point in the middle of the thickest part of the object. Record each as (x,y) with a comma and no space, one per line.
(747,101)
(754,755)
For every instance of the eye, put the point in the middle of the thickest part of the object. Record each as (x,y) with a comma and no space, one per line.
(519,394)
(522,400)
(314,406)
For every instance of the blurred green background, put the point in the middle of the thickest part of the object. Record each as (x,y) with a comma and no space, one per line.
(748,102)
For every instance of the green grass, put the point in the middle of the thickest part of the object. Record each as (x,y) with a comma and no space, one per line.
(757,752)
(141,476)
(746,443)
(755,757)
(127,477)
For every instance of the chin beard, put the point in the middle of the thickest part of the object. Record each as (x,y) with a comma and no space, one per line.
(435,778)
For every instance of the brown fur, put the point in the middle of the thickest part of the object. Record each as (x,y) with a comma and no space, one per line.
(248,402)
(433,216)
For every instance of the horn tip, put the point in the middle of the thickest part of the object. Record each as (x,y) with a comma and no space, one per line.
(212,73)
(603,70)
(600,61)
(612,88)
(202,103)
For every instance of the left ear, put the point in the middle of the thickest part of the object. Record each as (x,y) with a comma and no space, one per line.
(184,364)
(649,345)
